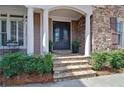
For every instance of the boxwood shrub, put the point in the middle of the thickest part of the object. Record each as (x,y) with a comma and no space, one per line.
(98,59)
(114,58)
(18,63)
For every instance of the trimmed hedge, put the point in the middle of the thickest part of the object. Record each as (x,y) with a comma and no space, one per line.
(99,59)
(13,64)
(114,58)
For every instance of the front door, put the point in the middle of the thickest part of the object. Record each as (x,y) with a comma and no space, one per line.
(61,35)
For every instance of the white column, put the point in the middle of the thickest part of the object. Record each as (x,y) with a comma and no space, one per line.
(30,32)
(41,33)
(25,31)
(87,35)
(8,28)
(45,42)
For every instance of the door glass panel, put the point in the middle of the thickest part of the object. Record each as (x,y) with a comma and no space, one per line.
(57,30)
(65,35)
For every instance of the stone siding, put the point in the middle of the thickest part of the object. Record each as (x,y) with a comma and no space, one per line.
(78,32)
(102,34)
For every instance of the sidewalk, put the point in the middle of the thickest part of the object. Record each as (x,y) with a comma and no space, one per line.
(116,80)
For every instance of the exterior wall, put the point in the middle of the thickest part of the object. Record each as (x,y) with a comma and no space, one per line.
(4,51)
(36,33)
(102,34)
(81,33)
(74,29)
(78,32)
(50,28)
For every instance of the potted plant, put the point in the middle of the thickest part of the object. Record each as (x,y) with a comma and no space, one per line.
(75,46)
(50,45)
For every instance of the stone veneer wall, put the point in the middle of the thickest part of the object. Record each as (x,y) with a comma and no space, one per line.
(78,32)
(102,34)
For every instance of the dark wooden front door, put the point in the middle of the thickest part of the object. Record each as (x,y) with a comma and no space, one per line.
(61,35)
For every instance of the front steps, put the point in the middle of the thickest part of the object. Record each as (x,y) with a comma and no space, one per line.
(72,67)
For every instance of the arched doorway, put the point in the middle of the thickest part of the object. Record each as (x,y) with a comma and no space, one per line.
(66,24)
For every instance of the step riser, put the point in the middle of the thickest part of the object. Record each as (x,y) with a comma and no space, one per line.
(72,67)
(71,70)
(66,64)
(71,59)
(75,77)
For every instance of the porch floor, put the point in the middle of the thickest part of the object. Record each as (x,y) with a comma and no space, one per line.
(65,53)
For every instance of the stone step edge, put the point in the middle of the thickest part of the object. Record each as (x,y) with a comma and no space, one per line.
(71,67)
(70,57)
(89,72)
(75,77)
(72,61)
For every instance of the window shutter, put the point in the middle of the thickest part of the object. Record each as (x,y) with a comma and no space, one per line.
(113,27)
(113,24)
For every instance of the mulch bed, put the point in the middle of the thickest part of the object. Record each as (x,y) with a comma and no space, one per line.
(25,79)
(109,71)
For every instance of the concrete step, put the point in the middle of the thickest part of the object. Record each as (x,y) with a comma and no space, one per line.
(59,63)
(70,57)
(70,68)
(75,75)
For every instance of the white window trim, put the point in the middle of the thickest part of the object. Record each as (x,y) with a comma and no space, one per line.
(122,42)
(8,20)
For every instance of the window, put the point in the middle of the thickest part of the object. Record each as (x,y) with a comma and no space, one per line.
(3,33)
(12,29)
(120,32)
(20,33)
(17,32)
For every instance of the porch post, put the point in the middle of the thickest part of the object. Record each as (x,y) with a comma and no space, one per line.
(45,32)
(30,32)
(87,35)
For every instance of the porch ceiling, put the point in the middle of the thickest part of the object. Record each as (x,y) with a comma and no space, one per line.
(65,13)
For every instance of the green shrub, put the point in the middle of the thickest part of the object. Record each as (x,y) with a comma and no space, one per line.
(47,65)
(12,64)
(17,63)
(33,64)
(98,59)
(38,64)
(116,59)
(76,43)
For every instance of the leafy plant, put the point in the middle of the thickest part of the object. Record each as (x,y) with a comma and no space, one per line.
(116,59)
(33,64)
(75,46)
(76,43)
(48,61)
(12,64)
(17,63)
(50,45)
(99,59)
